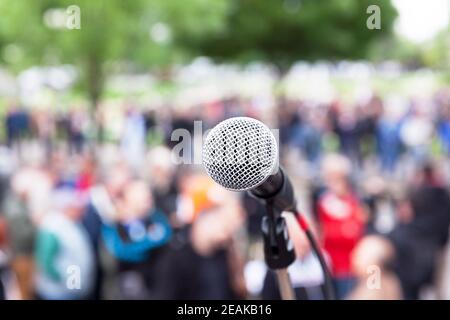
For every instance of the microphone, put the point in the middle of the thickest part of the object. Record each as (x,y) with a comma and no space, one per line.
(241,154)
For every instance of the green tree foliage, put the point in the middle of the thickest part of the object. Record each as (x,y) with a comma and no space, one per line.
(117,33)
(283,31)
(112,31)
(436,53)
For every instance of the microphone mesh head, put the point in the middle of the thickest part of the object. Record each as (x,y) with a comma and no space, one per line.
(240,153)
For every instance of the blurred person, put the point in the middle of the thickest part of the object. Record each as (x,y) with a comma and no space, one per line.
(21,230)
(213,113)
(17,124)
(370,113)
(233,106)
(64,257)
(137,238)
(6,166)
(3,257)
(62,125)
(368,116)
(416,133)
(194,197)
(100,209)
(162,175)
(443,127)
(372,263)
(44,125)
(86,175)
(27,200)
(181,119)
(388,141)
(203,260)
(307,135)
(381,126)
(101,199)
(154,127)
(150,121)
(422,230)
(61,169)
(305,272)
(288,119)
(341,220)
(100,123)
(133,140)
(379,199)
(76,131)
(345,124)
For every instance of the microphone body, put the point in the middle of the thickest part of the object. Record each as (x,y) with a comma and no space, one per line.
(276,191)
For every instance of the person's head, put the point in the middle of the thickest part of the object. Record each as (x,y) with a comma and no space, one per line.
(136,201)
(69,202)
(33,187)
(87,163)
(161,167)
(375,106)
(215,227)
(375,186)
(336,170)
(426,174)
(20,183)
(116,178)
(58,162)
(196,195)
(371,251)
(401,197)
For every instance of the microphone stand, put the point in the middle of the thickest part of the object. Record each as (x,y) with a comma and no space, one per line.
(278,249)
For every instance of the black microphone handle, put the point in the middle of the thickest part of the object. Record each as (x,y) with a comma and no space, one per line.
(277,191)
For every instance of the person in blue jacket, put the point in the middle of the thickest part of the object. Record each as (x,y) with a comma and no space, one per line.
(136,238)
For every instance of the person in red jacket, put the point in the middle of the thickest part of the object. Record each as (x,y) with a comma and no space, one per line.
(341,219)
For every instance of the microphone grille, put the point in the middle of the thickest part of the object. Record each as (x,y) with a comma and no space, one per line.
(240,153)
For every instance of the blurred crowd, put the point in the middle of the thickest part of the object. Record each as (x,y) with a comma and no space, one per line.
(85,216)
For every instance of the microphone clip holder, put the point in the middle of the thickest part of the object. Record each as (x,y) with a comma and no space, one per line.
(279,250)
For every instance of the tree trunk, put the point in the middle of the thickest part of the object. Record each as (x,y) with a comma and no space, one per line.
(95,79)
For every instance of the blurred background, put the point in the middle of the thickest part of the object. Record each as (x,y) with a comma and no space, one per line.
(98,200)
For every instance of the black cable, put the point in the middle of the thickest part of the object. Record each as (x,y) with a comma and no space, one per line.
(328,283)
